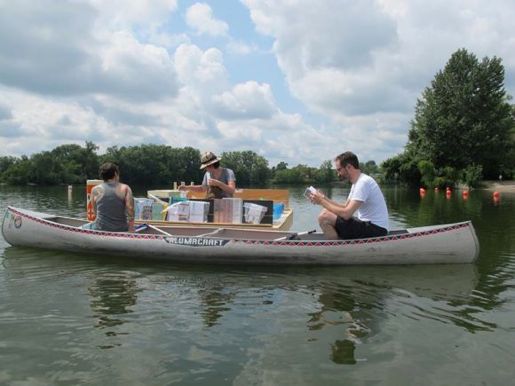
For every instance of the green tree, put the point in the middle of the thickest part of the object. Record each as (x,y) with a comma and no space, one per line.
(401,168)
(155,165)
(472,175)
(293,176)
(281,166)
(76,163)
(5,164)
(19,172)
(45,169)
(464,117)
(250,168)
(427,172)
(325,173)
(369,167)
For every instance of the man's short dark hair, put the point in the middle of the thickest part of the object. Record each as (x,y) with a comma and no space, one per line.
(348,158)
(108,170)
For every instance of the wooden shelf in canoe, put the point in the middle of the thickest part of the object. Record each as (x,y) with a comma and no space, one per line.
(276,195)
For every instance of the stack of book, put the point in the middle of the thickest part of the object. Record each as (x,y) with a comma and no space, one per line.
(143,208)
(227,210)
(188,211)
(198,211)
(254,213)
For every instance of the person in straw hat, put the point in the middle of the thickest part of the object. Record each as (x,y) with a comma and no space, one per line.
(219,182)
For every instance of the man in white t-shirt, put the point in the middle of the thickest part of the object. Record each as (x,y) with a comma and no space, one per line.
(364,214)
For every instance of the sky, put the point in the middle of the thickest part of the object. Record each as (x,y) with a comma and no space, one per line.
(297,81)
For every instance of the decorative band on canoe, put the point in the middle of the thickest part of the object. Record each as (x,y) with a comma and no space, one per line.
(326,243)
(289,243)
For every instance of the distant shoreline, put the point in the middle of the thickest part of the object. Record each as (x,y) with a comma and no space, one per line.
(501,187)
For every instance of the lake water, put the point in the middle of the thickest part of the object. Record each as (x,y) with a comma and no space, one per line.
(70,319)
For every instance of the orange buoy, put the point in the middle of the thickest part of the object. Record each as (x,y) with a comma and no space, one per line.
(422,191)
(496,197)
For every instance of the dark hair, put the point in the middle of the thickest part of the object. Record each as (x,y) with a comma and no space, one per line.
(216,165)
(108,170)
(348,158)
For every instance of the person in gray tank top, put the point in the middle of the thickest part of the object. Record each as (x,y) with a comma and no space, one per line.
(113,202)
(218,182)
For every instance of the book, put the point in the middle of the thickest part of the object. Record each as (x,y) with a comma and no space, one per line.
(309,191)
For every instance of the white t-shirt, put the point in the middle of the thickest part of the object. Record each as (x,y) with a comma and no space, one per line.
(373,206)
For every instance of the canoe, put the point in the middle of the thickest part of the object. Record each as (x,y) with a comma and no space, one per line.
(436,244)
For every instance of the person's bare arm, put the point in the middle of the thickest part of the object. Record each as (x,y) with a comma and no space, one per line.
(96,193)
(129,207)
(193,188)
(230,187)
(345,211)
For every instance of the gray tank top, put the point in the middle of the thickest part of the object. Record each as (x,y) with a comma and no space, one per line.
(111,214)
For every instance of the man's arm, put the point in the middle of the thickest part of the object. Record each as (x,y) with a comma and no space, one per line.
(95,194)
(129,207)
(193,188)
(345,211)
(230,187)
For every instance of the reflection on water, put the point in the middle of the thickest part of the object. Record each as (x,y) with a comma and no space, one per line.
(112,295)
(342,352)
(166,323)
(356,301)
(214,301)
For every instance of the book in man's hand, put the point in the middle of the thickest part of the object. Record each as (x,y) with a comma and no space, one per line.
(309,191)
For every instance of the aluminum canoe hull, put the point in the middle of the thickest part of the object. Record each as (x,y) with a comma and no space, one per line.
(438,244)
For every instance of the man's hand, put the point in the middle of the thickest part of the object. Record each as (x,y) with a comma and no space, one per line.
(213,182)
(317,197)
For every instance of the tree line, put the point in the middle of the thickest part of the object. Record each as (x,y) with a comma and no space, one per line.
(152,166)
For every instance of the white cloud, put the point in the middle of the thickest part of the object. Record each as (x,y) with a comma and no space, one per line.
(240,48)
(197,68)
(250,100)
(121,73)
(123,14)
(200,17)
(137,71)
(72,57)
(5,112)
(350,61)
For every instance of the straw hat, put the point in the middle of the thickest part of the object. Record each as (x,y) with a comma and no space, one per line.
(208,158)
